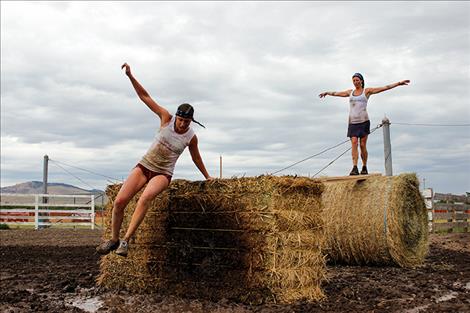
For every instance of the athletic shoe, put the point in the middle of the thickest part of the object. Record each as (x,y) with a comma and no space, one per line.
(107,246)
(364,170)
(354,171)
(123,248)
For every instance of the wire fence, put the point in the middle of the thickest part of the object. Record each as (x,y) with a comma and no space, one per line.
(323,151)
(61,165)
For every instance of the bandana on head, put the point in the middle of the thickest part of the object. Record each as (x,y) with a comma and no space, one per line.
(359,75)
(185,110)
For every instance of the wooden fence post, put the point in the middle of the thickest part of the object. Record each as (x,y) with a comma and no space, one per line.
(92,211)
(36,212)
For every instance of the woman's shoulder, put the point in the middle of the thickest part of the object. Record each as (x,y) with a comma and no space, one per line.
(191,133)
(367,92)
(165,122)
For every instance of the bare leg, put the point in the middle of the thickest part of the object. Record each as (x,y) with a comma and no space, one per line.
(154,187)
(364,154)
(131,186)
(354,151)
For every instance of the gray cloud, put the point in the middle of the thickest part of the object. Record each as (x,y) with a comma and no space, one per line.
(252,70)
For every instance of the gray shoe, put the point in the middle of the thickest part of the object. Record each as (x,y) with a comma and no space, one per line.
(123,248)
(107,246)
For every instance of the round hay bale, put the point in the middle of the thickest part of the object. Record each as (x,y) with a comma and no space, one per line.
(379,220)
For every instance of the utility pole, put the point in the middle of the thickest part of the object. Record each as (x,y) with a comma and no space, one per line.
(387,147)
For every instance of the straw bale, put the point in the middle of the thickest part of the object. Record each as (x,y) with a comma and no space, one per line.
(116,272)
(256,239)
(379,220)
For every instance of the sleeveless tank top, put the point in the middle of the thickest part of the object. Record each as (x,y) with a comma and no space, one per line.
(358,108)
(168,145)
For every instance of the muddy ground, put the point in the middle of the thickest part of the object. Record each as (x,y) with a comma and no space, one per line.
(54,270)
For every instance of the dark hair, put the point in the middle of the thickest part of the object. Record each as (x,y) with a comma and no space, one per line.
(359,75)
(186,110)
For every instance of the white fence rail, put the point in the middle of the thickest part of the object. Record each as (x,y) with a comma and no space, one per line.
(47,209)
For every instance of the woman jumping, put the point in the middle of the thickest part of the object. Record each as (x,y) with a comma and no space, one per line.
(359,123)
(155,168)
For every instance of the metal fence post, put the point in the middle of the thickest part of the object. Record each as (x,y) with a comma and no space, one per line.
(387,147)
(102,210)
(220,171)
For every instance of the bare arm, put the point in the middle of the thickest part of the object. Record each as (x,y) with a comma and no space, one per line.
(196,156)
(164,115)
(372,91)
(345,93)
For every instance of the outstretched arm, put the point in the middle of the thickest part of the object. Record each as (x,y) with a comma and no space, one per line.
(371,91)
(345,93)
(164,115)
(196,156)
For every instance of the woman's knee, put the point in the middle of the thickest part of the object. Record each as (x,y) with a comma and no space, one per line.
(145,201)
(120,203)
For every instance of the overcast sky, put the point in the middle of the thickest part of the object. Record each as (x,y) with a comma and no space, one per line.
(253,72)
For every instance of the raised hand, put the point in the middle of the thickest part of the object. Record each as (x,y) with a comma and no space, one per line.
(404,82)
(128,68)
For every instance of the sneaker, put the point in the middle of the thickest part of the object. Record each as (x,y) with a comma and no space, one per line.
(123,248)
(354,171)
(107,246)
(364,170)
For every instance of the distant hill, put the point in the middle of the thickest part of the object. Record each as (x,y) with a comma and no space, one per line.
(33,187)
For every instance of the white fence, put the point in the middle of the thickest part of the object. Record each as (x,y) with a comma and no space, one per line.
(447,212)
(47,209)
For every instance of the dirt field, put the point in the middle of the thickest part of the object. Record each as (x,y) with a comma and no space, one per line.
(54,270)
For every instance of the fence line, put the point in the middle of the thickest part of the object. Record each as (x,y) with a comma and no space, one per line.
(447,212)
(41,213)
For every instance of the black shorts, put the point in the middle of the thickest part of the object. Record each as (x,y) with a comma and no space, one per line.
(151,174)
(359,130)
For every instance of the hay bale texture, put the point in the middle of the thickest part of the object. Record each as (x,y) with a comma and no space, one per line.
(379,220)
(254,240)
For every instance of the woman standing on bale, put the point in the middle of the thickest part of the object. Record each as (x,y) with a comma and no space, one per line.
(155,168)
(359,123)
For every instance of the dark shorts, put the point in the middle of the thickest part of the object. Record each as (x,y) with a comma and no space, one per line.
(151,174)
(359,130)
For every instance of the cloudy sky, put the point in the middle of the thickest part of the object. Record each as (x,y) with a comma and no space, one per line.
(252,70)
